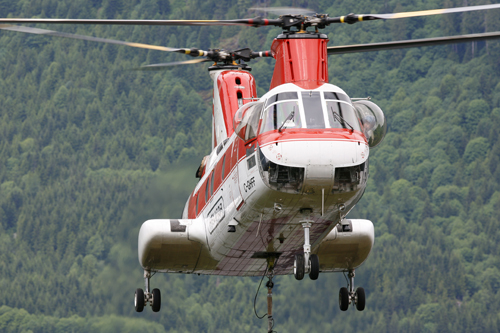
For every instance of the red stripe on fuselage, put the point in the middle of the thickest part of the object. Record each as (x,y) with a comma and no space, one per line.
(307,134)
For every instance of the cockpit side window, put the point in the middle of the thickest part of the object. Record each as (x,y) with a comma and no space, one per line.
(313,109)
(246,121)
(253,124)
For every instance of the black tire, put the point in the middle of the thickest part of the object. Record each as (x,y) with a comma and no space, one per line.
(156,301)
(314,262)
(139,300)
(343,299)
(360,299)
(299,267)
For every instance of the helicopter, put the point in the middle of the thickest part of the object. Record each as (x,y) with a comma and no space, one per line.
(286,167)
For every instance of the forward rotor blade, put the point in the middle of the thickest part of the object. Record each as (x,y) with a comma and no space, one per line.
(412,43)
(170,64)
(435,12)
(352,18)
(243,22)
(87,38)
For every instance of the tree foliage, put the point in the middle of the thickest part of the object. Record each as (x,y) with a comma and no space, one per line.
(90,149)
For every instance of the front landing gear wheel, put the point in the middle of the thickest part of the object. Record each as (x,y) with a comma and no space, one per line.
(314,264)
(360,299)
(344,299)
(139,300)
(156,301)
(299,266)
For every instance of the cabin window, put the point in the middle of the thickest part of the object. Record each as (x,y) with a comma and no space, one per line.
(206,190)
(212,184)
(196,203)
(251,162)
(219,148)
(239,96)
(223,168)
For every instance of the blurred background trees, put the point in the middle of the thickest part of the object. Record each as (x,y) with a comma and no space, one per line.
(89,150)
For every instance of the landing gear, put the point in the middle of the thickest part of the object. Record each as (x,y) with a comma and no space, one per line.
(349,296)
(343,299)
(156,300)
(314,267)
(307,262)
(360,299)
(299,266)
(141,298)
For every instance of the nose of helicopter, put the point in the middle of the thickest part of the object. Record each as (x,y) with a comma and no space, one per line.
(315,155)
(311,165)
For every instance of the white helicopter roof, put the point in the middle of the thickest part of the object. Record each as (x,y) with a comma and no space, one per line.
(287,87)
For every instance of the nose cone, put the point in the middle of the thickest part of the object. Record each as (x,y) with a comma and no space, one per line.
(327,165)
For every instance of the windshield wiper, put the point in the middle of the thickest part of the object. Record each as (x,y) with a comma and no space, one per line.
(290,116)
(341,120)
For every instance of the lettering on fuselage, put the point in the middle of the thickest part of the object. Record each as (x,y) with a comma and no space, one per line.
(216,215)
(249,184)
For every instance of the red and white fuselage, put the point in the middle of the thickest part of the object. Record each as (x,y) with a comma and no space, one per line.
(296,154)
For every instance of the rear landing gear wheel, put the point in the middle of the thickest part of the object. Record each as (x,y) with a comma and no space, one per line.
(314,265)
(344,299)
(299,266)
(156,301)
(360,299)
(139,300)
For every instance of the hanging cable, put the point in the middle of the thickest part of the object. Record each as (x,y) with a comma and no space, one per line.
(255,299)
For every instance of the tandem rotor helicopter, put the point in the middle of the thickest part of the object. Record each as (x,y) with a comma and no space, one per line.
(285,168)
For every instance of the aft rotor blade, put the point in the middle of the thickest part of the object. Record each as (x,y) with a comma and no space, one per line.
(353,18)
(170,64)
(87,38)
(242,22)
(412,43)
(283,10)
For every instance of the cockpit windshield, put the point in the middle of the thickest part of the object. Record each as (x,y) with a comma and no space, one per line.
(313,109)
(309,109)
(341,115)
(279,114)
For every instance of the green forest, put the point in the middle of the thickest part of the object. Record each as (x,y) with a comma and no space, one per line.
(90,149)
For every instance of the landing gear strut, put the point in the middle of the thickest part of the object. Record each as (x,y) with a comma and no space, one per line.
(349,296)
(307,262)
(142,298)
